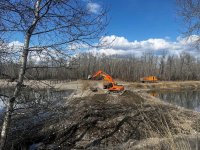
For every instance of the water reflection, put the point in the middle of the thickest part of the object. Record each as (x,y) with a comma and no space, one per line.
(35,110)
(30,98)
(187,99)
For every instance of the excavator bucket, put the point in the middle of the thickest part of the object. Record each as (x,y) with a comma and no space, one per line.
(89,77)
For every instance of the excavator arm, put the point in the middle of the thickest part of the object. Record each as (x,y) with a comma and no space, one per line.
(105,76)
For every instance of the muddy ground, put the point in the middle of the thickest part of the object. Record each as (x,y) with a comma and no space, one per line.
(87,120)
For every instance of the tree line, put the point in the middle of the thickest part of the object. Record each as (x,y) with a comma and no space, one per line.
(127,68)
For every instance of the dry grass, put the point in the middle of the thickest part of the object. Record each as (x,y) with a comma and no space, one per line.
(127,121)
(105,121)
(167,85)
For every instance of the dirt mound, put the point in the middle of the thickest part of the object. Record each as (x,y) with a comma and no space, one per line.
(106,120)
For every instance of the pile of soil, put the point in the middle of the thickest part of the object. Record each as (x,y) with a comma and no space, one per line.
(106,121)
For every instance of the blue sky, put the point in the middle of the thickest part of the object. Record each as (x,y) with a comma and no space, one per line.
(138,26)
(144,19)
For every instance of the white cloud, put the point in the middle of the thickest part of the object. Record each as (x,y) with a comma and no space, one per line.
(120,45)
(115,45)
(15,46)
(15,43)
(93,7)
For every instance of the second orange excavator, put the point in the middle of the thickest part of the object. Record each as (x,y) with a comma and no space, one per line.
(149,79)
(111,85)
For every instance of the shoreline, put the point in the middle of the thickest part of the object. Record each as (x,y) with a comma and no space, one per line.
(159,120)
(77,84)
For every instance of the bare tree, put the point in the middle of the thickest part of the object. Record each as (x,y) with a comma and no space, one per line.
(48,26)
(190,11)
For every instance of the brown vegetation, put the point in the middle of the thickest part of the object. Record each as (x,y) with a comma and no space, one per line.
(108,121)
(127,68)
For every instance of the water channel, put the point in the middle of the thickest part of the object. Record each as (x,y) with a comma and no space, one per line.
(189,99)
(36,107)
(31,98)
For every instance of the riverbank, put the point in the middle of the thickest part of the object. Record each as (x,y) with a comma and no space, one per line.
(104,121)
(78,84)
(165,85)
(133,120)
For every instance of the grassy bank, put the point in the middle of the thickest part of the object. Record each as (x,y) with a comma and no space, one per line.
(166,85)
(66,84)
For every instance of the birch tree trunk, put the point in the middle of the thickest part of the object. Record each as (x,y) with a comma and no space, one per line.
(55,25)
(23,64)
(10,104)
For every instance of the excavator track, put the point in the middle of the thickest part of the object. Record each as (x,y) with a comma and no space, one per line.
(116,92)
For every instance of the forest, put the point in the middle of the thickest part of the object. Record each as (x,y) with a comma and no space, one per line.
(127,68)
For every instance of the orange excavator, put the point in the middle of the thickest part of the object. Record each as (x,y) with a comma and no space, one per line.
(111,86)
(149,79)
